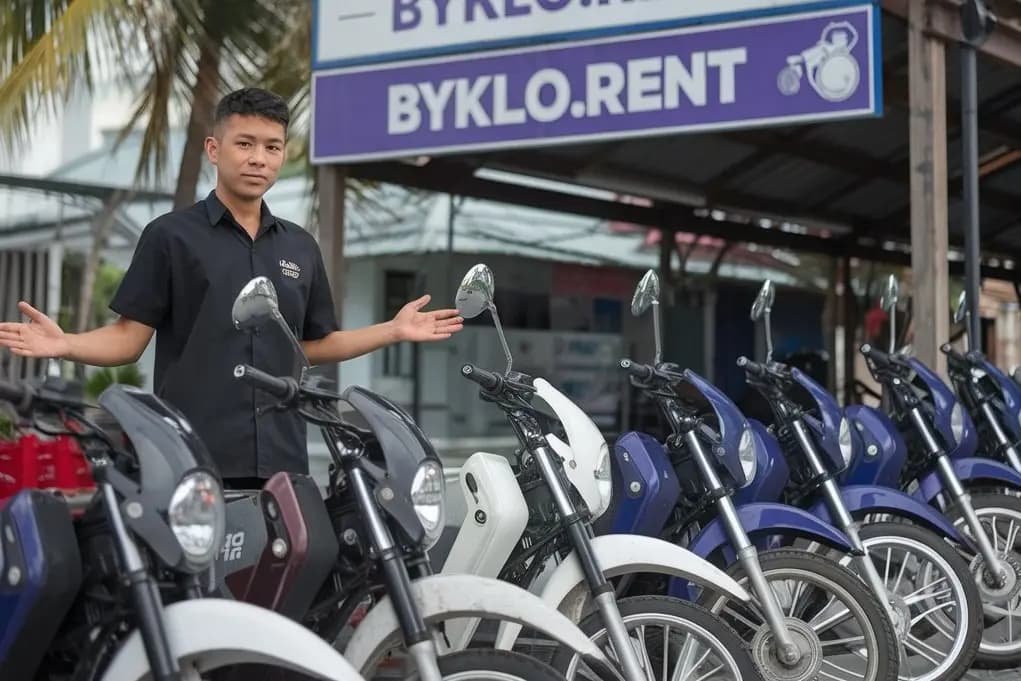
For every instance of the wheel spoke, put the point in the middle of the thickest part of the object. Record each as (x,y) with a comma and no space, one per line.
(819,625)
(710,673)
(919,646)
(925,614)
(847,673)
(846,642)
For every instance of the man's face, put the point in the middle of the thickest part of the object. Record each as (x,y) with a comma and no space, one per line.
(247,152)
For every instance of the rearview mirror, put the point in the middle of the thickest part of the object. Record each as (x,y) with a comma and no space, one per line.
(961,313)
(646,293)
(763,304)
(476,292)
(891,294)
(255,306)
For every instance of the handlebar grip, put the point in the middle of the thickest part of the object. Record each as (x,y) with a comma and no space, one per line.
(281,388)
(751,367)
(642,372)
(16,394)
(486,379)
(875,354)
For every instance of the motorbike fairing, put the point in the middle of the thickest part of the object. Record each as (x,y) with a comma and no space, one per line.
(645,487)
(445,597)
(761,520)
(1010,394)
(865,499)
(970,470)
(39,547)
(943,401)
(211,633)
(828,436)
(771,470)
(878,449)
(731,425)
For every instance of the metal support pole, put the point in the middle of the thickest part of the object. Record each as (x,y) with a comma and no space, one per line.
(976,23)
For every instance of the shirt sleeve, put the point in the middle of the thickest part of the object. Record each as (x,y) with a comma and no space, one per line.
(144,292)
(320,315)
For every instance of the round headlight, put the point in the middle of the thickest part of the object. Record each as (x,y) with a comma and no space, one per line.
(604,481)
(197,516)
(746,454)
(957,422)
(428,490)
(844,440)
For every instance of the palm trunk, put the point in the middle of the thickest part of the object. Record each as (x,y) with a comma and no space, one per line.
(200,121)
(100,232)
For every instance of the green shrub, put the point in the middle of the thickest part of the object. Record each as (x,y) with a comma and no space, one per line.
(100,380)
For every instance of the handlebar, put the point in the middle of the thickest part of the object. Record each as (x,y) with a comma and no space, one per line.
(284,389)
(488,380)
(955,359)
(643,372)
(878,357)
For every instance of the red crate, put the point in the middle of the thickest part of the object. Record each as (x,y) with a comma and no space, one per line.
(31,462)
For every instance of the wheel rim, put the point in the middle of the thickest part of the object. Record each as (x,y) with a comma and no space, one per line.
(845,640)
(685,651)
(1002,612)
(483,676)
(929,602)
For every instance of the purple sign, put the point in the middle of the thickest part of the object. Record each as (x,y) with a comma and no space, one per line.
(805,67)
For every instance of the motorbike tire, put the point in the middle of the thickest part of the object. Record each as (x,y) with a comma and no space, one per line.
(633,608)
(883,649)
(989,657)
(950,561)
(478,664)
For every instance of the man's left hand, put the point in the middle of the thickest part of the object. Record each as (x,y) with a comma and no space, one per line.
(412,324)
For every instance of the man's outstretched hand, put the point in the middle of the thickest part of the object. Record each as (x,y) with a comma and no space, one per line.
(412,324)
(40,337)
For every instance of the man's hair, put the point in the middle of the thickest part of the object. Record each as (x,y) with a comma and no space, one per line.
(252,101)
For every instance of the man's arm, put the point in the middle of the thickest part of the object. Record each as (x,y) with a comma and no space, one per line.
(119,343)
(343,345)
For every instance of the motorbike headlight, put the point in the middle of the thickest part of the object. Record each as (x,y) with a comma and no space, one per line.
(746,454)
(844,440)
(197,515)
(428,490)
(957,422)
(604,482)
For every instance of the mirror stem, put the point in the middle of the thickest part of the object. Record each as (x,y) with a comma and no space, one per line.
(503,339)
(893,329)
(658,331)
(769,337)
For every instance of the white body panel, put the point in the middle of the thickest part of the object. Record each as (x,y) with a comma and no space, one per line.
(442,597)
(483,549)
(621,554)
(209,633)
(584,449)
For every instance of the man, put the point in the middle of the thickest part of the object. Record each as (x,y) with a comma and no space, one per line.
(188,268)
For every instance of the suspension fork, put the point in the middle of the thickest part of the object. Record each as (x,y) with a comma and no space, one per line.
(1001,436)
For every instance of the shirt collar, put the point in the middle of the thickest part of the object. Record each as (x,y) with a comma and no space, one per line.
(217,211)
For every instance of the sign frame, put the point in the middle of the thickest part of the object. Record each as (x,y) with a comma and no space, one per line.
(874,108)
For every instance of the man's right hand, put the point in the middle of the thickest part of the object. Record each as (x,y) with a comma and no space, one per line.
(39,337)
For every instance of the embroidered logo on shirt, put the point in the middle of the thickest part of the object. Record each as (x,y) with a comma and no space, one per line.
(290,269)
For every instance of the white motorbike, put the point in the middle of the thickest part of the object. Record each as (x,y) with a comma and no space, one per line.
(530,524)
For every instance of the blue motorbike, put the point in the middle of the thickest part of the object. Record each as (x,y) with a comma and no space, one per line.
(940,469)
(815,457)
(810,617)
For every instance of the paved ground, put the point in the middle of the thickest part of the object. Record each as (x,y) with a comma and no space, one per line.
(1005,675)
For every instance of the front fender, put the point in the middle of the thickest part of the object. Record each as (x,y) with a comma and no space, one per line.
(968,469)
(622,554)
(872,499)
(211,633)
(445,597)
(762,520)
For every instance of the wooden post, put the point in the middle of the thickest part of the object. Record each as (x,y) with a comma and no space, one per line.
(850,324)
(332,190)
(928,137)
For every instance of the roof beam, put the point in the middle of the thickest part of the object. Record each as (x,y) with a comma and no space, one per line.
(98,191)
(943,20)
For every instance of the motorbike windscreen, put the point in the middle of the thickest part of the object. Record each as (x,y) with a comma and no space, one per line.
(830,413)
(402,445)
(1010,392)
(732,424)
(163,440)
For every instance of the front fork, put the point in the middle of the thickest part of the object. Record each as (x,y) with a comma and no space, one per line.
(1001,436)
(417,635)
(787,651)
(994,570)
(602,591)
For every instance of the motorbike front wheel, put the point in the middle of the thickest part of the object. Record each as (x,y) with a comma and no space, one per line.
(839,627)
(675,641)
(479,664)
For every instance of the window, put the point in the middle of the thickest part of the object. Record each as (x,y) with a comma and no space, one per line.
(398,290)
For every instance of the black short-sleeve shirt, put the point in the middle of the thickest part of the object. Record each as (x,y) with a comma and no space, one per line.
(187,269)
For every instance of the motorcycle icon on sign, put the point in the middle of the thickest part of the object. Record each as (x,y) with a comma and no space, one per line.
(832,70)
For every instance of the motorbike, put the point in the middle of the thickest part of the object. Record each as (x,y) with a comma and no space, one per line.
(320,561)
(809,458)
(810,617)
(115,591)
(939,440)
(529,523)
